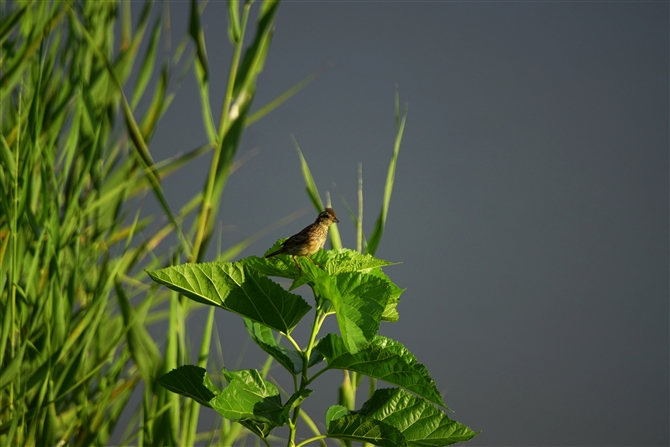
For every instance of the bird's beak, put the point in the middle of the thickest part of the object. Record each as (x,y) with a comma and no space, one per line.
(336,220)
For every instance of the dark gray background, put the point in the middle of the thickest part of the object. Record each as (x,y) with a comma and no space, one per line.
(530,209)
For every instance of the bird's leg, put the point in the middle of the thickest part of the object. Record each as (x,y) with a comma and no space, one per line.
(297,265)
(310,260)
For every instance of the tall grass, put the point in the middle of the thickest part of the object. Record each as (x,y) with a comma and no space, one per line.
(75,155)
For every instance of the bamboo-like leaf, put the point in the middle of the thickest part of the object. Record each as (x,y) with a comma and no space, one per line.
(10,21)
(202,70)
(279,100)
(135,134)
(7,158)
(13,368)
(314,196)
(310,186)
(142,346)
(234,32)
(198,35)
(378,231)
(147,68)
(13,71)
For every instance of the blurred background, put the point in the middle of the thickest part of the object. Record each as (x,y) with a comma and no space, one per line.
(530,207)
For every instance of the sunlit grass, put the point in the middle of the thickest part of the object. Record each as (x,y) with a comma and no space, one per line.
(75,155)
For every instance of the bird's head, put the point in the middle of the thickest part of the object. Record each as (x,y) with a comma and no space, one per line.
(327,217)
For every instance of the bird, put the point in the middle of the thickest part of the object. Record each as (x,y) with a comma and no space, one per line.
(310,239)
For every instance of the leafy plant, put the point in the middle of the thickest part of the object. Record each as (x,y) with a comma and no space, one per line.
(78,113)
(352,288)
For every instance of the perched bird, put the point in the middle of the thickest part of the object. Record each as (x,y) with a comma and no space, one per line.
(310,240)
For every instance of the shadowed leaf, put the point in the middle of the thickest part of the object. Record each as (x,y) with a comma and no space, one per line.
(252,401)
(190,381)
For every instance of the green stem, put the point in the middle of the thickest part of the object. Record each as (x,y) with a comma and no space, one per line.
(293,342)
(204,217)
(315,438)
(304,380)
(311,379)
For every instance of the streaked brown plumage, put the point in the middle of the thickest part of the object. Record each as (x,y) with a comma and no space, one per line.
(310,240)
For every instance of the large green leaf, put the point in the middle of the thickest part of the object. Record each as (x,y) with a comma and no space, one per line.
(237,288)
(356,427)
(419,421)
(333,261)
(190,381)
(281,266)
(341,261)
(358,300)
(390,312)
(248,397)
(347,260)
(383,359)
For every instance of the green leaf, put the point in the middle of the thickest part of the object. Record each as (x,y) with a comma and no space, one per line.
(198,35)
(147,69)
(313,194)
(142,347)
(347,260)
(12,368)
(237,288)
(356,427)
(378,231)
(333,261)
(420,422)
(190,381)
(255,55)
(297,398)
(310,185)
(358,300)
(383,359)
(341,261)
(262,335)
(248,397)
(280,266)
(390,312)
(335,412)
(234,31)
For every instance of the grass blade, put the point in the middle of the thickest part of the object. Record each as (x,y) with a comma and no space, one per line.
(378,231)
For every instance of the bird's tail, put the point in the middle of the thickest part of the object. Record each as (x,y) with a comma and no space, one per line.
(269,255)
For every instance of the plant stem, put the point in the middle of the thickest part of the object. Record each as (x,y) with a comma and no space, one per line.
(315,438)
(359,226)
(293,342)
(304,380)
